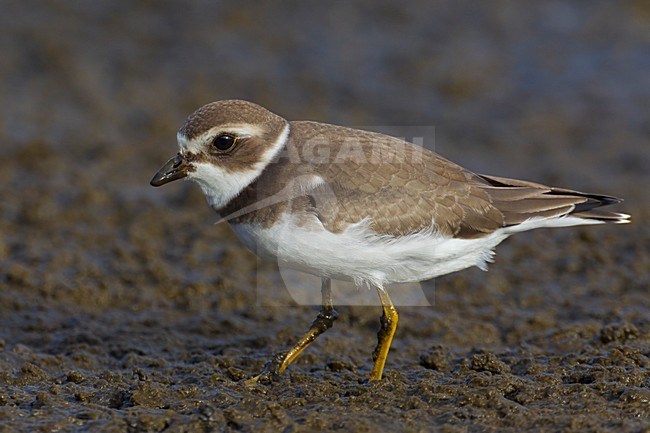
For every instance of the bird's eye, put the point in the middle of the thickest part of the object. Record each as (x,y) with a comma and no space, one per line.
(224,142)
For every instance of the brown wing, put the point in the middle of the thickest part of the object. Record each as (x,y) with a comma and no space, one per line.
(399,187)
(402,189)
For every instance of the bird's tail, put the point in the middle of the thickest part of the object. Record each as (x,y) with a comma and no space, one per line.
(520,200)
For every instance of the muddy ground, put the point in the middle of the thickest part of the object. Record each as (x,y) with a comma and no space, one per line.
(123,308)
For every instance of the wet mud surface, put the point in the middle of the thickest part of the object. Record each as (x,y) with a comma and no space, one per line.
(124,308)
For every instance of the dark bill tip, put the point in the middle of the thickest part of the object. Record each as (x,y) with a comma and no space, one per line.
(175,168)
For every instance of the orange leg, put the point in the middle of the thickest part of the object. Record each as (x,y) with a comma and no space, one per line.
(385,335)
(324,321)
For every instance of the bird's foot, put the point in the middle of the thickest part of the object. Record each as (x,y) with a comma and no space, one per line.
(271,370)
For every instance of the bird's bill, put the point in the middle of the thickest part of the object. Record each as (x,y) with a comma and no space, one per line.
(175,168)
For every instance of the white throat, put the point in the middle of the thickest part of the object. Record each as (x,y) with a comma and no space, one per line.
(220,186)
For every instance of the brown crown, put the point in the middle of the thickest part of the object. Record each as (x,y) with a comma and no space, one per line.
(229,112)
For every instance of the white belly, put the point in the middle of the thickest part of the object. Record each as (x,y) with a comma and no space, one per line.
(359,255)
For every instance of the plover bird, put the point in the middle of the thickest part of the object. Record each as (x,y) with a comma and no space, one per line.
(348,204)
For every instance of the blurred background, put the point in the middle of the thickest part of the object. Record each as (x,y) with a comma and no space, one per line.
(551,83)
(92,93)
